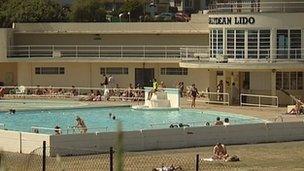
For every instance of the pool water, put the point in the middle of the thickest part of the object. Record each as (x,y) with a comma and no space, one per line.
(98,119)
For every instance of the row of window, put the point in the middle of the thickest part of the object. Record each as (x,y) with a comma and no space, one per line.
(289,80)
(258,43)
(108,71)
(50,70)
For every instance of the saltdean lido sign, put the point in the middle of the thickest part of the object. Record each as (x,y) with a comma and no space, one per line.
(231,20)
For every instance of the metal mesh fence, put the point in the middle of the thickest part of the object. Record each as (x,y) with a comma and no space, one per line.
(63,160)
(67,160)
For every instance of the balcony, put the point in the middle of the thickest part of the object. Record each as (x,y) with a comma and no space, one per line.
(272,6)
(239,56)
(136,52)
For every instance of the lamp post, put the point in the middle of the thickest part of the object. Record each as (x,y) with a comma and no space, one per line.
(120,15)
(129,14)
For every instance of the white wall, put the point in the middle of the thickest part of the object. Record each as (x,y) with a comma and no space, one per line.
(182,138)
(21,142)
(260,81)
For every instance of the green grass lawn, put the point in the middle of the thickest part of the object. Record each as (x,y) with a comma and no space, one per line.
(273,156)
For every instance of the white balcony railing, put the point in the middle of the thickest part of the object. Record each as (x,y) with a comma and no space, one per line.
(240,55)
(236,6)
(92,51)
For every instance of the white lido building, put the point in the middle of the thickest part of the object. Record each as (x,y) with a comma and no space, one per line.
(256,44)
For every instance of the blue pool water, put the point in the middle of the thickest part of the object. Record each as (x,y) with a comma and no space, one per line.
(98,120)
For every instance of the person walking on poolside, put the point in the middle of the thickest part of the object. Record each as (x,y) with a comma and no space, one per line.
(81,125)
(193,93)
(154,89)
(105,81)
(220,90)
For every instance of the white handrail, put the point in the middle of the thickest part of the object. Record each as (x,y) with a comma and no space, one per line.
(35,129)
(70,51)
(235,6)
(214,97)
(258,102)
(74,128)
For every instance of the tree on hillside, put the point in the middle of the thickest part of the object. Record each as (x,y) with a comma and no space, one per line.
(88,11)
(135,7)
(30,11)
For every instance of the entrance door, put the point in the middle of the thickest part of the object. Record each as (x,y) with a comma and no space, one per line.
(144,76)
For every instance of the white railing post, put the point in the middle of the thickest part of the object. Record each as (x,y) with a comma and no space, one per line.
(99,51)
(121,51)
(166,52)
(53,50)
(259,101)
(144,51)
(186,53)
(76,48)
(29,51)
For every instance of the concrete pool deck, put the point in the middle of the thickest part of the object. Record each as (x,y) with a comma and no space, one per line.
(266,113)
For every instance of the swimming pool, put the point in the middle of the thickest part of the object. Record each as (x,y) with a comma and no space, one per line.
(98,119)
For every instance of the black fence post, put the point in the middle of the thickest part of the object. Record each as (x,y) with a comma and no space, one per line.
(197,163)
(111,158)
(43,155)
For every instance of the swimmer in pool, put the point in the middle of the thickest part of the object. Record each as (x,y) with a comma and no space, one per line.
(12,111)
(110,115)
(81,125)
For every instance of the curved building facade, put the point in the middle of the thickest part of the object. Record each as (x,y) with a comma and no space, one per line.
(256,44)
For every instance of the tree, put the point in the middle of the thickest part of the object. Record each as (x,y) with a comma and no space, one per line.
(30,11)
(88,11)
(135,7)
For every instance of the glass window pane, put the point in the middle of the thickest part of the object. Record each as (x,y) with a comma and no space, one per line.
(293,80)
(282,44)
(279,80)
(286,80)
(300,81)
(295,44)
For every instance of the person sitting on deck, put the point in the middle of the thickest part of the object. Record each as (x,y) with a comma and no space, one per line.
(154,89)
(1,92)
(220,152)
(81,125)
(298,109)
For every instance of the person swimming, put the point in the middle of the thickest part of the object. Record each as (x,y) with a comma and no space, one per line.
(114,117)
(12,111)
(110,115)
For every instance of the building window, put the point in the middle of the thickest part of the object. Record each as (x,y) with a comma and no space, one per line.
(288,44)
(253,44)
(295,44)
(240,44)
(114,71)
(282,44)
(236,43)
(264,43)
(174,71)
(216,42)
(289,80)
(50,70)
(230,43)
